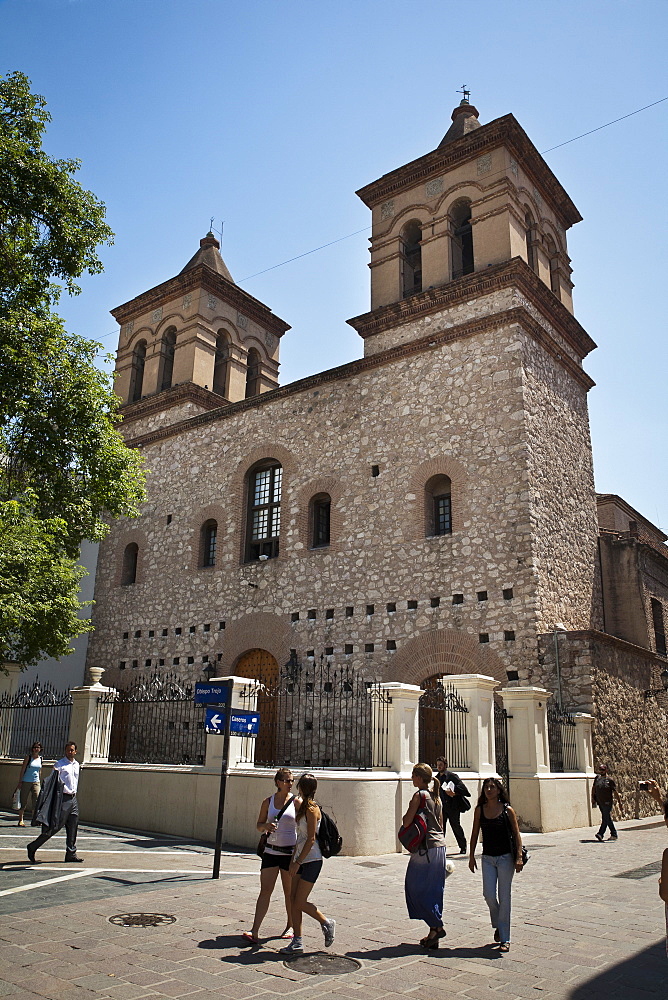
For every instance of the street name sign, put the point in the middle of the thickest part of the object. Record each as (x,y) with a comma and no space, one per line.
(210,694)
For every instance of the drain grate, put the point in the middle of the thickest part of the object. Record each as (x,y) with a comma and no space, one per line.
(142,919)
(321,964)
(652,869)
(370,864)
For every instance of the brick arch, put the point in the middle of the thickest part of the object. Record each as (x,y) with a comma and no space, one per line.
(440,465)
(324,484)
(444,651)
(239,488)
(212,512)
(259,630)
(463,190)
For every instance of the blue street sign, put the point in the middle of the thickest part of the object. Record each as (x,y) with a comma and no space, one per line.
(210,694)
(241,723)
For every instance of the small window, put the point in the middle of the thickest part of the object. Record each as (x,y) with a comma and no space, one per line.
(137,375)
(147,663)
(164,632)
(659,627)
(391,644)
(167,351)
(412,605)
(130,558)
(176,661)
(483,637)
(138,634)
(209,538)
(347,649)
(457,598)
(161,663)
(121,665)
(264,511)
(295,616)
(508,594)
(329,651)
(375,471)
(411,257)
(482,595)
(509,634)
(178,630)
(329,614)
(312,614)
(436,602)
(206,628)
(370,609)
(368,647)
(221,626)
(135,664)
(530,236)
(553,258)
(252,373)
(192,629)
(320,520)
(438,506)
(191,660)
(126,635)
(462,239)
(391,608)
(221,364)
(151,633)
(350,612)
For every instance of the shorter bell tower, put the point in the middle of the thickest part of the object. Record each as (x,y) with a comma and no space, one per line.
(197,338)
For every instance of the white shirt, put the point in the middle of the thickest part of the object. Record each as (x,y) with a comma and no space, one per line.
(69,772)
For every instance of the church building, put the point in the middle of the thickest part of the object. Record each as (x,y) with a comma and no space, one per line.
(426,510)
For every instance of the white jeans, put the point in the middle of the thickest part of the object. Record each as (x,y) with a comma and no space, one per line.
(497,874)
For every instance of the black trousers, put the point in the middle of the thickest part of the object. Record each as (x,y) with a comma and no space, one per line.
(606,821)
(70,820)
(453,817)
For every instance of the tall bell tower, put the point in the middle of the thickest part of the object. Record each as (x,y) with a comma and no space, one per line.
(195,342)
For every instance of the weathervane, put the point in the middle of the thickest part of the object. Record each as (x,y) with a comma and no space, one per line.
(465,92)
(218,232)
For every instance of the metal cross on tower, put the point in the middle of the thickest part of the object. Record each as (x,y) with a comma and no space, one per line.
(465,92)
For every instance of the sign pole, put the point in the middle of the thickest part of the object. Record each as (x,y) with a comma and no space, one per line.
(223,782)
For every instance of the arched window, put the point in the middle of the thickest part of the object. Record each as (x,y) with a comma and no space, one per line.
(221,364)
(438,506)
(319,519)
(253,373)
(462,239)
(551,248)
(529,226)
(209,537)
(129,571)
(137,376)
(263,523)
(167,348)
(411,252)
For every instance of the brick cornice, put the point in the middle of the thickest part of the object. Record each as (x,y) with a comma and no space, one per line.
(512,273)
(505,131)
(203,277)
(186,392)
(517,316)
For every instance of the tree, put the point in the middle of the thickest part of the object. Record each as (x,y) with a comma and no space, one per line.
(64,468)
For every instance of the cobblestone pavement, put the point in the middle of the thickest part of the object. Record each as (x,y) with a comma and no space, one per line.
(587,924)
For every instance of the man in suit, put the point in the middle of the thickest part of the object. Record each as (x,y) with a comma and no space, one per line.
(66,777)
(453,797)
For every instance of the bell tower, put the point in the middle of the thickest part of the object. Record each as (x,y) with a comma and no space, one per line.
(196,340)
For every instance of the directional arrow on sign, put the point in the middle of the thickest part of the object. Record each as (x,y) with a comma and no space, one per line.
(214,722)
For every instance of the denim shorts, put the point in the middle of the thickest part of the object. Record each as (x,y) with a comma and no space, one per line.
(309,871)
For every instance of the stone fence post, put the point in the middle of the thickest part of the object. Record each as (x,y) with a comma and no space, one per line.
(477,693)
(241,747)
(402,725)
(528,749)
(90,729)
(583,742)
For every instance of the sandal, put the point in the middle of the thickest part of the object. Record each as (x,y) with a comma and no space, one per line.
(505,946)
(248,936)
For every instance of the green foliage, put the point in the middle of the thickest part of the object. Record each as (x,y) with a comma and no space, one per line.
(38,587)
(62,461)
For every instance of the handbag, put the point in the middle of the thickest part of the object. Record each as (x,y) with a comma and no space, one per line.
(262,842)
(525,853)
(16,800)
(413,836)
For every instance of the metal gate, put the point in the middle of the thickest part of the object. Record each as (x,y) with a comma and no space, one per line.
(501,743)
(443,725)
(36,712)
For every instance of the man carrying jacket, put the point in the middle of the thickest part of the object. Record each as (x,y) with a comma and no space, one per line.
(454,794)
(57,806)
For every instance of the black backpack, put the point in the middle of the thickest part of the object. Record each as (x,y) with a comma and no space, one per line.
(330,841)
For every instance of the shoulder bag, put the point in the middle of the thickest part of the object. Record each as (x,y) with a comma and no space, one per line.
(262,842)
(412,837)
(525,853)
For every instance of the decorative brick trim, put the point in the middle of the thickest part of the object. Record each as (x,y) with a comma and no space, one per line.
(416,510)
(239,489)
(444,651)
(214,512)
(326,484)
(139,538)
(259,630)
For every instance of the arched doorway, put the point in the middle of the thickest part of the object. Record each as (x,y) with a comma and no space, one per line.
(261,665)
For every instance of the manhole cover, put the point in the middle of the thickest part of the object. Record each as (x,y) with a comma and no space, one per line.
(142,919)
(320,964)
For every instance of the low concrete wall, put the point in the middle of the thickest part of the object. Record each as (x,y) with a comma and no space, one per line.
(545,803)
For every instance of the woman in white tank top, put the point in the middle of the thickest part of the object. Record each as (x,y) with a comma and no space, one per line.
(281,839)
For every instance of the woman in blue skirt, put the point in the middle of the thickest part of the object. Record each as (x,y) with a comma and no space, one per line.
(425,875)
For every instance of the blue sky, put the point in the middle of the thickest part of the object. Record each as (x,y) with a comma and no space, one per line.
(270,115)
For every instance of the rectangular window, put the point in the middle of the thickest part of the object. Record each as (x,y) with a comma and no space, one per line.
(659,627)
(443,515)
(321,514)
(264,512)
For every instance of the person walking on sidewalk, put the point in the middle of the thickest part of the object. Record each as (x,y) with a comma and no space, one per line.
(57,806)
(603,795)
(29,781)
(426,870)
(501,854)
(306,866)
(454,799)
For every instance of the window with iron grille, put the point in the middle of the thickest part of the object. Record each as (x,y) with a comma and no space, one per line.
(209,538)
(438,506)
(320,520)
(442,515)
(264,512)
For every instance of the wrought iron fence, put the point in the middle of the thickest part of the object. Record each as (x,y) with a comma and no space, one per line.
(443,725)
(561,739)
(501,742)
(317,715)
(36,712)
(154,721)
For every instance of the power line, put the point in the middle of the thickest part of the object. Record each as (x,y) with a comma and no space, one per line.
(306,254)
(614,122)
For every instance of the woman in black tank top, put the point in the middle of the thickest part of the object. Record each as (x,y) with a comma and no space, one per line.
(495,818)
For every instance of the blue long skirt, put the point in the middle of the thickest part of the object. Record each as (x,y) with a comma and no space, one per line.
(425,879)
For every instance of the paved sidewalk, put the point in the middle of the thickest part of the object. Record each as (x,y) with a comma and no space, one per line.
(580,931)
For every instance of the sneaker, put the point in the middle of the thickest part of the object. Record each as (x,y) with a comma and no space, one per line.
(73,860)
(328,929)
(599,837)
(294,948)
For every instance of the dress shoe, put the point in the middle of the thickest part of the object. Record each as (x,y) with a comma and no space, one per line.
(31,853)
(73,860)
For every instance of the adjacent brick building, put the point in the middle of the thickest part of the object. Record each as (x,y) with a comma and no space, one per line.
(427,509)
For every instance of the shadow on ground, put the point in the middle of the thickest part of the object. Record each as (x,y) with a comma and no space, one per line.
(642,975)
